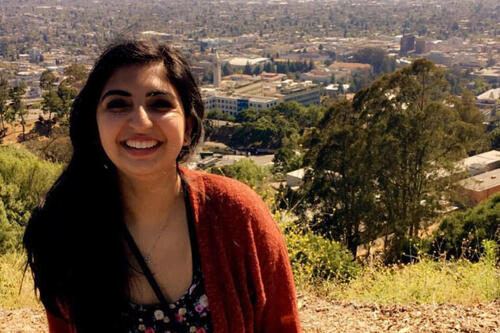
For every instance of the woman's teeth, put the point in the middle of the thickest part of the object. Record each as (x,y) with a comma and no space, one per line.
(141,144)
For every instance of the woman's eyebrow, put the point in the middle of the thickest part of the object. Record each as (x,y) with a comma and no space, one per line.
(160,92)
(115,92)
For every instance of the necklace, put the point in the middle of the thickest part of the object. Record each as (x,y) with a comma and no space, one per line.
(148,257)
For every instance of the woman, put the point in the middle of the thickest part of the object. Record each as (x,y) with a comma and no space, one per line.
(127,240)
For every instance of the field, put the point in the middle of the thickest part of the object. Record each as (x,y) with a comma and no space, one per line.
(423,297)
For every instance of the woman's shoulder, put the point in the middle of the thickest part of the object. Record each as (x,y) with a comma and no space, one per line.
(229,197)
(214,187)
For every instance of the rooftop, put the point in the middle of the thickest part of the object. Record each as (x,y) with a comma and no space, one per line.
(482,181)
(490,94)
(349,65)
(483,159)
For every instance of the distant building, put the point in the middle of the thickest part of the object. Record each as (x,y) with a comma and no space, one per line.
(481,187)
(232,104)
(343,71)
(420,46)
(318,75)
(492,94)
(487,103)
(157,35)
(241,62)
(295,178)
(481,163)
(238,77)
(35,55)
(407,44)
(440,58)
(489,74)
(217,70)
(305,93)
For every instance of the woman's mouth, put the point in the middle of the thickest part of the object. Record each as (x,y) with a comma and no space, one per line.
(141,148)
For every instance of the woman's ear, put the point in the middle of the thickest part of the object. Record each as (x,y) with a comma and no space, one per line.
(187,132)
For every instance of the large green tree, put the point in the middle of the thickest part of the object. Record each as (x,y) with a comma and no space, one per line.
(417,135)
(340,189)
(381,165)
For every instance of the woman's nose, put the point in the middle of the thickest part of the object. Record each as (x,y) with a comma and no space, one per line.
(140,118)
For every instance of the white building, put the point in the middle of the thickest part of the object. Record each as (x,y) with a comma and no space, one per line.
(232,104)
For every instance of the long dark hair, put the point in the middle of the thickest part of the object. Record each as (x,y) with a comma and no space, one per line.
(74,239)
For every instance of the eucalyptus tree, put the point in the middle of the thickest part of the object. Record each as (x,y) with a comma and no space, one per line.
(18,108)
(417,135)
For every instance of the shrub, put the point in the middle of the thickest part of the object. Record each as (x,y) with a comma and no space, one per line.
(245,170)
(427,281)
(24,179)
(314,257)
(461,234)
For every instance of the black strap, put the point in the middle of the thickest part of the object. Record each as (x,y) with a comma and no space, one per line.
(145,268)
(194,252)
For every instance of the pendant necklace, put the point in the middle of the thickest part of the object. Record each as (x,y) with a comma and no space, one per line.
(148,257)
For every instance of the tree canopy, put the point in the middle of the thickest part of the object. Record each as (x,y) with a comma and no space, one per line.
(387,153)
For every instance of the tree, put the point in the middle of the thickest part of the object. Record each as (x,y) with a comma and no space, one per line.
(360,79)
(52,103)
(311,65)
(415,133)
(376,57)
(47,80)
(340,190)
(288,157)
(17,106)
(470,129)
(462,233)
(66,94)
(75,73)
(480,86)
(4,96)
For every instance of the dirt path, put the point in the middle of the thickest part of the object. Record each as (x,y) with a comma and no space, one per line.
(318,315)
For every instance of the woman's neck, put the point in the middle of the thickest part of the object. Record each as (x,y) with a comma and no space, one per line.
(148,200)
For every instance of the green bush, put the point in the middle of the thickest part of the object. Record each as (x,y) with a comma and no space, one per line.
(461,234)
(315,258)
(24,179)
(245,170)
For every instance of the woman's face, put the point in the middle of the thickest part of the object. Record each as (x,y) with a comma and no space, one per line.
(141,120)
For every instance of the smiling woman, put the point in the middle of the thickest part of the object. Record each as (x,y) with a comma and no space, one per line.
(128,240)
(141,120)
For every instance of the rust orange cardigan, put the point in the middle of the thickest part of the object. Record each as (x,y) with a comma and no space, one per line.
(248,278)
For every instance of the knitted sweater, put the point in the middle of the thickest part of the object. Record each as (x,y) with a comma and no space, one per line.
(248,278)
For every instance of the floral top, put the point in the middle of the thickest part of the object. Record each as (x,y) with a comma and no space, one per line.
(190,312)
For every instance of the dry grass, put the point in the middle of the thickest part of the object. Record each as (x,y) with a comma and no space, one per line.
(12,294)
(427,282)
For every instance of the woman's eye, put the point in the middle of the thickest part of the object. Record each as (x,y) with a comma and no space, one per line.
(161,104)
(117,105)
